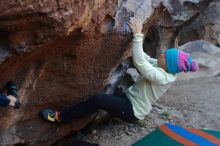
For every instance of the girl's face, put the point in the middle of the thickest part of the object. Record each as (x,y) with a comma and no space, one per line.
(162,61)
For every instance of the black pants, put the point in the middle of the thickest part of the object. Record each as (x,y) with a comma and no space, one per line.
(120,107)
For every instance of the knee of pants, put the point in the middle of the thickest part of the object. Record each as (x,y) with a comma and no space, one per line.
(99,100)
(99,97)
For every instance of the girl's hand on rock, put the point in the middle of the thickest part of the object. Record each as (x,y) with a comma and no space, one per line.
(135,25)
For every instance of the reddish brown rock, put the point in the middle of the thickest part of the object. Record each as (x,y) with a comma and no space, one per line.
(62,51)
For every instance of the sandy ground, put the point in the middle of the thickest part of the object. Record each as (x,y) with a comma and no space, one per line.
(194,103)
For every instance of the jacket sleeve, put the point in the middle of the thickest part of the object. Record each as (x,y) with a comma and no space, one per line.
(150,60)
(141,62)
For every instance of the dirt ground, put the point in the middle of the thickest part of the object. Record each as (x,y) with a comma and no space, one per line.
(194,103)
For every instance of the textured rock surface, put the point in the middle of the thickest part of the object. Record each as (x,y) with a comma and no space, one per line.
(206,26)
(62,51)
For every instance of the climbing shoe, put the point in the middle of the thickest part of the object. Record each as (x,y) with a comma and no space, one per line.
(48,114)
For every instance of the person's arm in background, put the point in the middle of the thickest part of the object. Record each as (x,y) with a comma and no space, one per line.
(138,55)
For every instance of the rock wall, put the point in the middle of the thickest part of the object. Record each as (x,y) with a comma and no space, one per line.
(60,52)
(206,26)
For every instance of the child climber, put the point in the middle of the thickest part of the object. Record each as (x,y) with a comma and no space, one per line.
(157,76)
(11,97)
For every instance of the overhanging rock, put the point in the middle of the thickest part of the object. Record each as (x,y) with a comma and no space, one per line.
(62,51)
